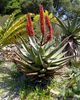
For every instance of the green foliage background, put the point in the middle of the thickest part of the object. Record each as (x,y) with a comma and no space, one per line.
(8,6)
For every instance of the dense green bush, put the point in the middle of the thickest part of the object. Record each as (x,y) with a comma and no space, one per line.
(24,5)
(8,6)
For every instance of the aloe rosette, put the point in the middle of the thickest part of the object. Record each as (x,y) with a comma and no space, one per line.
(39,57)
(71,28)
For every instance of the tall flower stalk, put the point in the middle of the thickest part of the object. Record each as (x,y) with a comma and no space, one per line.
(42,20)
(45,20)
(44,23)
(29,26)
(48,23)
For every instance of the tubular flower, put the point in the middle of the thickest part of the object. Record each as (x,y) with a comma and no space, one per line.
(48,23)
(42,20)
(29,26)
(50,36)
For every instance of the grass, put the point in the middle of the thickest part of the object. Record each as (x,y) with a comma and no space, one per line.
(15,84)
(66,86)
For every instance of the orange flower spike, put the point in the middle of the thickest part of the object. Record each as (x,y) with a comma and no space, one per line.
(50,36)
(29,26)
(42,20)
(48,23)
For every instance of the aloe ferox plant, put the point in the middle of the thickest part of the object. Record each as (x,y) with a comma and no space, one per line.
(38,55)
(71,28)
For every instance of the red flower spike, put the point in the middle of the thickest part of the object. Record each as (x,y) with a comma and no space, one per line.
(42,20)
(29,26)
(50,36)
(48,23)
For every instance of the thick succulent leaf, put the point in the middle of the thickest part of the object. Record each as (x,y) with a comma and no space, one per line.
(77,30)
(40,60)
(48,52)
(57,66)
(78,25)
(26,55)
(33,43)
(57,48)
(42,51)
(25,44)
(69,25)
(73,24)
(32,74)
(33,55)
(54,68)
(60,63)
(24,58)
(54,64)
(27,65)
(22,51)
(36,58)
(60,60)
(48,45)
(24,48)
(61,24)
(59,51)
(61,55)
